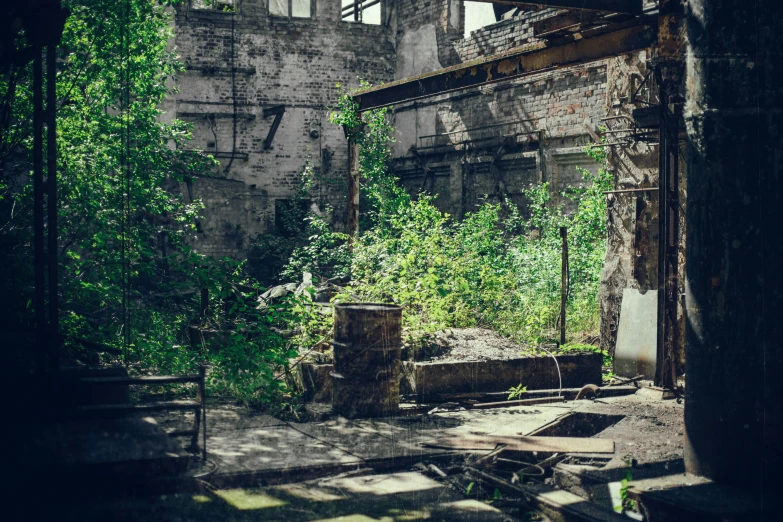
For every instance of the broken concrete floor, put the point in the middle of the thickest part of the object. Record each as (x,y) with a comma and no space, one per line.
(262,468)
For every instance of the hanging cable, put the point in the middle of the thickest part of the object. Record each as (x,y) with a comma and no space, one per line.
(233,95)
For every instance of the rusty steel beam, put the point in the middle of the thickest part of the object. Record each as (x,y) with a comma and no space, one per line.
(612,6)
(564,20)
(511,64)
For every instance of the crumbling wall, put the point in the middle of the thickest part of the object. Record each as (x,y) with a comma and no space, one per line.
(500,139)
(632,217)
(240,63)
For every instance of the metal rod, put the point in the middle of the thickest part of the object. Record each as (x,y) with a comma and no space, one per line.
(616,117)
(51,185)
(202,391)
(353,186)
(563,284)
(38,224)
(624,191)
(362,5)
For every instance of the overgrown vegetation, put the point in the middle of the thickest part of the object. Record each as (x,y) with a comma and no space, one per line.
(131,282)
(493,269)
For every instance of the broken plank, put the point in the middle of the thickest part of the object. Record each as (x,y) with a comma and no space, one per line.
(543,444)
(522,402)
(557,505)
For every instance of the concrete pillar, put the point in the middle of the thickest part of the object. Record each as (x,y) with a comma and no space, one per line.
(733,267)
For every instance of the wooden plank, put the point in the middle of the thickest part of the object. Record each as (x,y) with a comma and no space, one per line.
(166,405)
(521,402)
(543,444)
(148,380)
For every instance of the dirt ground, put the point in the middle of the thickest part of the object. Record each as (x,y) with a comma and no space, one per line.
(472,344)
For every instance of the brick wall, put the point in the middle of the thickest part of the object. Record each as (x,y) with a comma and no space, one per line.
(276,61)
(498,139)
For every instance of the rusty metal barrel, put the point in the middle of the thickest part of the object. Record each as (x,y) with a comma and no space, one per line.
(367,344)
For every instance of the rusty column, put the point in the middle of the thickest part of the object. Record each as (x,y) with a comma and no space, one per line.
(734,288)
(353,181)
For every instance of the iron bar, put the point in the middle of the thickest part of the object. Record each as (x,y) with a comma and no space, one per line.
(51,185)
(624,191)
(563,283)
(38,220)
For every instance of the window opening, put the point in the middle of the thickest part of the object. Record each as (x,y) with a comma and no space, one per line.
(291,8)
(225,6)
(478,15)
(362,11)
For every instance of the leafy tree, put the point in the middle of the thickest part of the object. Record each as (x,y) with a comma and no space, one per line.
(129,280)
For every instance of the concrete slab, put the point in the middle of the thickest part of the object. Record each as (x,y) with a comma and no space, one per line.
(373,497)
(637,336)
(271,448)
(368,444)
(428,379)
(218,419)
(520,420)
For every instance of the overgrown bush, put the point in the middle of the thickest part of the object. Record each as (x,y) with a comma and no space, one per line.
(492,269)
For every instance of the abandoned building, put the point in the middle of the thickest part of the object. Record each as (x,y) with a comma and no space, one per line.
(685,98)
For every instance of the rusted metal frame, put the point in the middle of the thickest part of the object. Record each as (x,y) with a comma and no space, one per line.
(619,6)
(357,8)
(51,186)
(278,111)
(515,63)
(563,21)
(38,212)
(668,237)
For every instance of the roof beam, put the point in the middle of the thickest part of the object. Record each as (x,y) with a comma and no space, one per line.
(613,6)
(514,63)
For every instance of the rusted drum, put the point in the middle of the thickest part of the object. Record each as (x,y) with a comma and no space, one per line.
(368,324)
(367,344)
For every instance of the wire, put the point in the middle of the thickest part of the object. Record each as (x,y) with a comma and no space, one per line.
(557,365)
(233,95)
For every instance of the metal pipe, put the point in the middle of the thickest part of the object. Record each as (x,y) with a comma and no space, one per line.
(563,283)
(624,191)
(38,221)
(51,185)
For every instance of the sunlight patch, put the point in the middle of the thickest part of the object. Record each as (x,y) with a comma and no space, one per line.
(247,499)
(311,494)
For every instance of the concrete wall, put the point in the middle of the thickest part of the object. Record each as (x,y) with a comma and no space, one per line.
(295,62)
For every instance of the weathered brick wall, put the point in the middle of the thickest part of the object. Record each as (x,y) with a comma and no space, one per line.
(501,36)
(294,62)
(455,146)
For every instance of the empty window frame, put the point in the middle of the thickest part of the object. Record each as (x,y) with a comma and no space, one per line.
(291,8)
(226,6)
(362,11)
